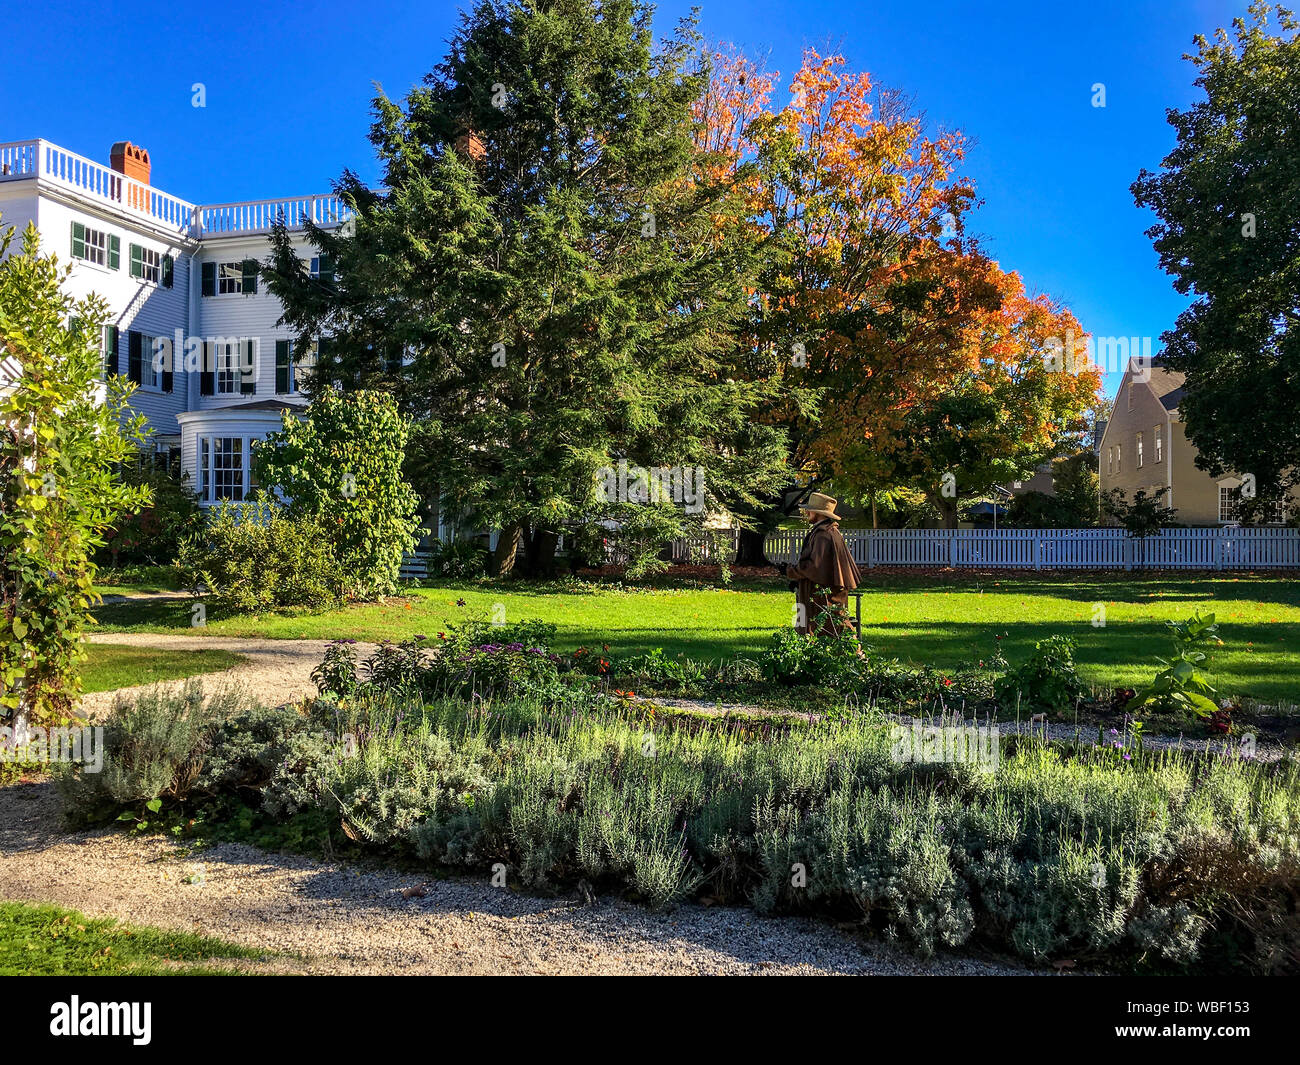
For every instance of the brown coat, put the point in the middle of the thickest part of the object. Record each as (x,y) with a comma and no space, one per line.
(823,577)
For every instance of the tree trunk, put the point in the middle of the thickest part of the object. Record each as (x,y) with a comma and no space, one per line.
(541,553)
(749,550)
(503,561)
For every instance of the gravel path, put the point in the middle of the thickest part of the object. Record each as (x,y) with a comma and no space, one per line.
(276,671)
(351,921)
(1059,732)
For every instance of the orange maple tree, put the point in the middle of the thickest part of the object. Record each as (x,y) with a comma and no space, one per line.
(874,302)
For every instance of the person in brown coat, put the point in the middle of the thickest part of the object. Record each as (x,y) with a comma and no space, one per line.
(825,572)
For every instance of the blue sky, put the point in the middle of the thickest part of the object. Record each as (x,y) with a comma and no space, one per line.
(288,89)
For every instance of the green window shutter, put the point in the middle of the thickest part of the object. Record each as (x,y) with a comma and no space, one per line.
(250,276)
(209,279)
(114,251)
(248,385)
(137,261)
(281,367)
(168,266)
(78,240)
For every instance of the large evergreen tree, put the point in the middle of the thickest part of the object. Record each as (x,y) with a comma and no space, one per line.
(1228,200)
(551,278)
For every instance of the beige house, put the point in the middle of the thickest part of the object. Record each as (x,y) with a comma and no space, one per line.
(1144,446)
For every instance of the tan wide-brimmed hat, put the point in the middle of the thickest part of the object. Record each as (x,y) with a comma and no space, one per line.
(820,504)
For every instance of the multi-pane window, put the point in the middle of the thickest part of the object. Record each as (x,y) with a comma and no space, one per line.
(146,264)
(150,368)
(222,468)
(230,278)
(1139,451)
(1160,442)
(289,366)
(95,247)
(227,368)
(1274,512)
(1110,460)
(1119,458)
(322,268)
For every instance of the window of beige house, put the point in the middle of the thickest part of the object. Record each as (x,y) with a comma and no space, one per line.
(1110,460)
(1160,442)
(1139,451)
(1119,458)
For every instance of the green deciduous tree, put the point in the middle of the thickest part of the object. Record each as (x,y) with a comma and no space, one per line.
(63,431)
(1228,202)
(341,466)
(552,279)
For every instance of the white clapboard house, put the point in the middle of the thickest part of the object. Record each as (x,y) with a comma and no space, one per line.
(178,271)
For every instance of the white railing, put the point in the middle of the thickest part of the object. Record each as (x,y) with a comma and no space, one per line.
(49,162)
(1206,549)
(258,216)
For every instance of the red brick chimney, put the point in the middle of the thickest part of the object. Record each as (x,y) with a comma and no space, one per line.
(131,160)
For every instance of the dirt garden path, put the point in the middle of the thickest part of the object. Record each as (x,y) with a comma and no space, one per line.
(344,920)
(276,671)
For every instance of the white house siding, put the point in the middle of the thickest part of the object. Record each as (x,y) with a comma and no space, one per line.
(240,315)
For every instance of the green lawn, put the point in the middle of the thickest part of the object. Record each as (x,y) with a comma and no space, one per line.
(51,941)
(938,619)
(110,666)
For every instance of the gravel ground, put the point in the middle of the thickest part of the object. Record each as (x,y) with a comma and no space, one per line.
(349,921)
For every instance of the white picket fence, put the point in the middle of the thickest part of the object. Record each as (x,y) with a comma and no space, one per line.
(702,548)
(1208,549)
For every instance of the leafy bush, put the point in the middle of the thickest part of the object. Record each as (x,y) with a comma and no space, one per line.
(153,748)
(657,668)
(152,535)
(340,470)
(1182,685)
(791,658)
(1046,682)
(336,675)
(457,559)
(255,556)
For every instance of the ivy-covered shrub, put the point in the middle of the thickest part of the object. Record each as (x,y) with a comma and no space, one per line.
(340,469)
(63,434)
(256,556)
